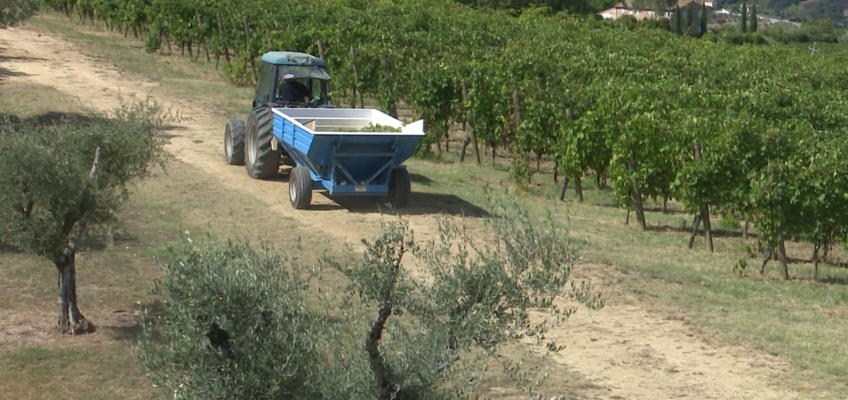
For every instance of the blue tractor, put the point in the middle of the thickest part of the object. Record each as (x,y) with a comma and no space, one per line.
(345,151)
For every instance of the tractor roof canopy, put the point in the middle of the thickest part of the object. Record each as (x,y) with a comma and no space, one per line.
(297,65)
(302,72)
(293,58)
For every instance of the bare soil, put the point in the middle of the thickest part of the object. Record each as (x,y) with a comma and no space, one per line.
(626,351)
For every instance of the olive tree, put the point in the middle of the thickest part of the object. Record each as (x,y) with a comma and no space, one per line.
(58,179)
(238,323)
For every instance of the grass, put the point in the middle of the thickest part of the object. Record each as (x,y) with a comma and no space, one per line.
(113,276)
(55,373)
(111,280)
(801,321)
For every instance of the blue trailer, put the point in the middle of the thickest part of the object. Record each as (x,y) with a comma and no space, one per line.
(347,152)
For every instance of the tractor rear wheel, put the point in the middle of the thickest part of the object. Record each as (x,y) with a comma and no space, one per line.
(399,188)
(300,188)
(234,141)
(262,161)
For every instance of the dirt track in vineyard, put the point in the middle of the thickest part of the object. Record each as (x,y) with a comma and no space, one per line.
(628,352)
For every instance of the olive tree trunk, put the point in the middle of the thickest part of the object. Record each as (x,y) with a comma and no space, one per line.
(71,320)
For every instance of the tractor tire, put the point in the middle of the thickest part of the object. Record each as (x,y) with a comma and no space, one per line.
(261,160)
(300,188)
(234,141)
(400,188)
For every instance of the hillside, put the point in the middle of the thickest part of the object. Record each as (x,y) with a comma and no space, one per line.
(821,9)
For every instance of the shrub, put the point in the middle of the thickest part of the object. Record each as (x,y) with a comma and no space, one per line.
(152,42)
(239,323)
(662,23)
(729,221)
(235,325)
(238,71)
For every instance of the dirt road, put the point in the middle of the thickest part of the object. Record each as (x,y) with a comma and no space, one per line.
(626,351)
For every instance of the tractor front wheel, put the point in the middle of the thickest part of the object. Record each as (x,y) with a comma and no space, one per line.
(262,161)
(300,188)
(234,141)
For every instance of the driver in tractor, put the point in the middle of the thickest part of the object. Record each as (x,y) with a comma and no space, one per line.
(293,92)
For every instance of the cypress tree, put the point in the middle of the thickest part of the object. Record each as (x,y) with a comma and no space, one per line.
(703,19)
(744,17)
(690,28)
(754,18)
(677,20)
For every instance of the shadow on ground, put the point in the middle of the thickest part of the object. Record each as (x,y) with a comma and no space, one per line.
(419,179)
(716,232)
(47,119)
(126,326)
(835,280)
(169,131)
(647,209)
(7,58)
(6,73)
(420,203)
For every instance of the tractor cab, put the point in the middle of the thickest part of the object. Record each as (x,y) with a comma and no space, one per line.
(291,79)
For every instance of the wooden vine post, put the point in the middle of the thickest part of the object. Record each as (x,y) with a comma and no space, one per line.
(516,104)
(516,108)
(223,38)
(321,54)
(636,194)
(250,56)
(470,137)
(784,264)
(705,213)
(268,39)
(202,38)
(816,247)
(388,71)
(570,115)
(356,79)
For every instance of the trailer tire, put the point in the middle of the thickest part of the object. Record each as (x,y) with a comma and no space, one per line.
(234,141)
(261,160)
(400,188)
(300,188)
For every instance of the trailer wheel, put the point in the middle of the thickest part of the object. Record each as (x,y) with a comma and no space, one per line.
(300,188)
(399,188)
(262,161)
(234,141)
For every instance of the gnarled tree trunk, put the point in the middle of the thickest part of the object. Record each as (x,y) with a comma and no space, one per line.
(71,320)
(695,224)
